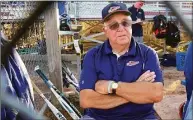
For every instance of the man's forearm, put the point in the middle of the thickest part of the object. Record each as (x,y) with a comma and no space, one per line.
(140,92)
(92,99)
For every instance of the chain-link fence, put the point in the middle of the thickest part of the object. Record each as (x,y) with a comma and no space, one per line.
(92,11)
(32,46)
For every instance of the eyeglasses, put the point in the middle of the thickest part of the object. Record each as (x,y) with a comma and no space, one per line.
(115,25)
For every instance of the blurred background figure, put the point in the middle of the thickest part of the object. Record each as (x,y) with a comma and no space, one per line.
(138,16)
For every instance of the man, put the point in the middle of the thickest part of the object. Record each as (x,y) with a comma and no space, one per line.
(16,82)
(138,17)
(120,79)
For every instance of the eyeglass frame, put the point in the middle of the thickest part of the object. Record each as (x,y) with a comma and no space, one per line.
(113,23)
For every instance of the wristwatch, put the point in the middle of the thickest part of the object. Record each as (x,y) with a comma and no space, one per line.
(114,87)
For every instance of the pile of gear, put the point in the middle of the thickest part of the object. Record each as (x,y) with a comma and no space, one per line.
(166,29)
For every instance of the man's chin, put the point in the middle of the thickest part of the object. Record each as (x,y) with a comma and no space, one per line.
(123,41)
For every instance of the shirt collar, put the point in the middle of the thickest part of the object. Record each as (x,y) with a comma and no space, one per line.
(134,7)
(108,48)
(132,48)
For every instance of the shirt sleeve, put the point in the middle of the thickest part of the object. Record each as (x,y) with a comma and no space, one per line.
(143,15)
(129,9)
(88,75)
(153,64)
(188,71)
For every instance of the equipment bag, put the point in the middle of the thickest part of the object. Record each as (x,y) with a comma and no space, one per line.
(159,26)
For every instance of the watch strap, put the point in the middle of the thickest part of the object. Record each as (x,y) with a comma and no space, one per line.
(110,86)
(113,90)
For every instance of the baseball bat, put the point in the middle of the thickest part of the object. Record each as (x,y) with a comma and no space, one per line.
(67,70)
(69,107)
(69,82)
(55,111)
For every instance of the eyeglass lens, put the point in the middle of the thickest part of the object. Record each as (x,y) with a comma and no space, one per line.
(115,25)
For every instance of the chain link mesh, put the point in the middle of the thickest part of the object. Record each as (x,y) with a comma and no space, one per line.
(32,46)
(90,11)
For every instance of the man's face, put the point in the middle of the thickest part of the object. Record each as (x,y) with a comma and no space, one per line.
(118,29)
(138,5)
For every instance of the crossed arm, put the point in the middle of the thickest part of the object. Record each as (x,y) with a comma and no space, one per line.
(92,99)
(142,91)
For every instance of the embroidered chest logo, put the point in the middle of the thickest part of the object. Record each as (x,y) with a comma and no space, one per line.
(132,63)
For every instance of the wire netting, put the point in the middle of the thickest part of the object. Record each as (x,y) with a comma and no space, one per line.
(92,11)
(32,46)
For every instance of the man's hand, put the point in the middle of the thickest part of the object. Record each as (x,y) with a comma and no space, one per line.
(101,86)
(138,20)
(147,77)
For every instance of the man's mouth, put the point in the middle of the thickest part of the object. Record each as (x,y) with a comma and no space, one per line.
(121,35)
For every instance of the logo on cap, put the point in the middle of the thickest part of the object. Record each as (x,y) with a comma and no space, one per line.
(113,8)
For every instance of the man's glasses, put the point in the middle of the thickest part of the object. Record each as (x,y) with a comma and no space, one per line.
(115,25)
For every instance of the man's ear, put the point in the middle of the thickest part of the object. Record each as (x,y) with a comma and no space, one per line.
(105,31)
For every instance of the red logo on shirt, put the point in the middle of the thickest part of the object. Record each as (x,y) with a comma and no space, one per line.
(132,63)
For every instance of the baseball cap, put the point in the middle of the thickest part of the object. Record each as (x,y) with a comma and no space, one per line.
(113,8)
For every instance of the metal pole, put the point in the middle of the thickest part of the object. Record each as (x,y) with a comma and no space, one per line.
(164,39)
(182,20)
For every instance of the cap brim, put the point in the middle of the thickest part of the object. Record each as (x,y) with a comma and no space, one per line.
(117,11)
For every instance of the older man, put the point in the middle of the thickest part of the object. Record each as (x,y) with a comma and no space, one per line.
(120,79)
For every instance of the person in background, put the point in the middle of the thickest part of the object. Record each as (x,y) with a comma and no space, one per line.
(138,16)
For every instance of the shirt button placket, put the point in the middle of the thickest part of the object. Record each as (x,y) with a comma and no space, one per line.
(119,66)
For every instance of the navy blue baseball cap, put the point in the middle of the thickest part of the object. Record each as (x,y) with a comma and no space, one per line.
(113,8)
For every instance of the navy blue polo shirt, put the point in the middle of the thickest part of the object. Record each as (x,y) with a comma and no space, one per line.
(137,29)
(101,63)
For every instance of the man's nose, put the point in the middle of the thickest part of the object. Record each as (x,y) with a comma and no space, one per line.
(121,27)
